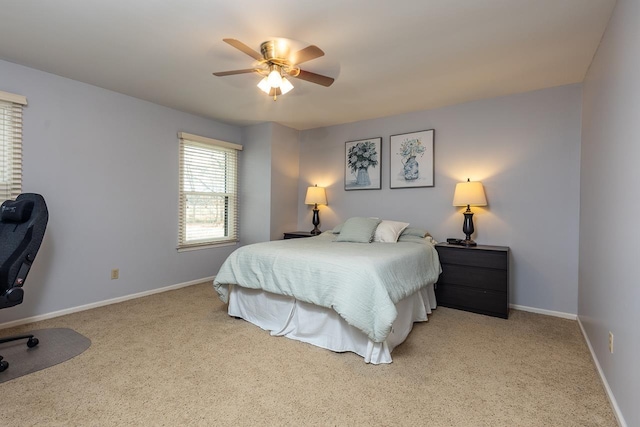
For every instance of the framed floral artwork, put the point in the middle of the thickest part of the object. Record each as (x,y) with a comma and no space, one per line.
(362,164)
(411,160)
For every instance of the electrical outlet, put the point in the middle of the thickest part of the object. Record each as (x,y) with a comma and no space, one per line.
(610,342)
(115,273)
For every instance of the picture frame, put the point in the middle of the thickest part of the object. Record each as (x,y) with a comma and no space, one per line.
(411,160)
(362,164)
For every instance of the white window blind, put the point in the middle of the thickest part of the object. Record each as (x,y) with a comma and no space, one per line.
(10,145)
(208,191)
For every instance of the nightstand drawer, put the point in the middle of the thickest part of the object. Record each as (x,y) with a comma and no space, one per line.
(473,257)
(475,277)
(469,299)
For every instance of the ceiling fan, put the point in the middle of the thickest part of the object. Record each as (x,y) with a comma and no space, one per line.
(275,65)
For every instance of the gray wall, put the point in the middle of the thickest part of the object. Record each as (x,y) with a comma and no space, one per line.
(524,148)
(285,157)
(255,184)
(107,165)
(268,182)
(609,204)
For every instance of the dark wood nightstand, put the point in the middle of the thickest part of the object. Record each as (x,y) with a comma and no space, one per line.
(474,279)
(297,234)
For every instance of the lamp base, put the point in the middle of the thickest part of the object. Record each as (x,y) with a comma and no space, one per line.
(316,221)
(467,228)
(468,242)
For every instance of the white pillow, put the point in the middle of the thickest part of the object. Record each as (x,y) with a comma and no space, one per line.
(389,231)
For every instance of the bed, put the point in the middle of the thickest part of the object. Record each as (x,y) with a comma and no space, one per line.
(336,290)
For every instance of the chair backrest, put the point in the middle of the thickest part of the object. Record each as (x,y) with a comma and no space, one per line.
(22,226)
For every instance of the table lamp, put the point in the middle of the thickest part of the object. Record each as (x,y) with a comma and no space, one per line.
(315,196)
(469,194)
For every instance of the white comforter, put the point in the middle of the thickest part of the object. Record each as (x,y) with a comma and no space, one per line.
(362,282)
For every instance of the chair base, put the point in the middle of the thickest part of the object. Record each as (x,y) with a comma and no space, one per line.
(32,342)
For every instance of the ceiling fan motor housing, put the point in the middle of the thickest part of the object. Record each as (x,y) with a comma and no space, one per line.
(269,51)
(275,56)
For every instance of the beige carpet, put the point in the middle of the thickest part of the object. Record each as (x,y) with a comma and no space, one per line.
(177,358)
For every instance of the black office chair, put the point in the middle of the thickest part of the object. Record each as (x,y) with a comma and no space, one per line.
(22,225)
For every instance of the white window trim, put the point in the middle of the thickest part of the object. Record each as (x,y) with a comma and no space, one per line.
(208,246)
(209,243)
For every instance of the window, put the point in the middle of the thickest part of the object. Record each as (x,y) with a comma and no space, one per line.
(10,145)
(208,191)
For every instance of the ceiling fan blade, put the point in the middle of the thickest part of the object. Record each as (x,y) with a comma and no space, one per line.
(314,78)
(231,73)
(244,48)
(306,54)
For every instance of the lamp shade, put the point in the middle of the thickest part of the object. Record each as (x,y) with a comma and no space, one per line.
(470,193)
(315,195)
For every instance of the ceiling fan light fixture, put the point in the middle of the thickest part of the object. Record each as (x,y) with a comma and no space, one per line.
(274,77)
(264,85)
(285,86)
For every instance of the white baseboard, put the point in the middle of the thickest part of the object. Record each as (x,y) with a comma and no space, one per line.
(101,303)
(605,383)
(569,316)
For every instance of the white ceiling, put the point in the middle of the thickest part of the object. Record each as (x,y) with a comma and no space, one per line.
(388,57)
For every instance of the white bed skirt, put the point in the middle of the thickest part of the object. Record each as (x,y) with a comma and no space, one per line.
(323,327)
